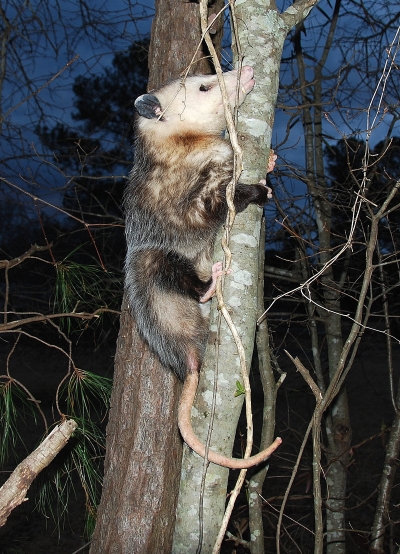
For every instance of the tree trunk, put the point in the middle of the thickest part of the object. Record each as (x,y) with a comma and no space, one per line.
(262,31)
(136,512)
(175,37)
(144,447)
(339,440)
(270,390)
(337,423)
(228,407)
(382,511)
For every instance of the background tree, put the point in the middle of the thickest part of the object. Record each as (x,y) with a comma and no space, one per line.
(98,153)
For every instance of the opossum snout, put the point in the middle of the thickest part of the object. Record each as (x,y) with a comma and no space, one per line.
(246,81)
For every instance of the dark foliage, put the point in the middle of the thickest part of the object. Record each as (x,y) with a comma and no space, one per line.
(98,154)
(94,158)
(350,177)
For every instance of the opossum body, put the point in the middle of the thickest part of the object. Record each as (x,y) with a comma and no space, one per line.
(175,203)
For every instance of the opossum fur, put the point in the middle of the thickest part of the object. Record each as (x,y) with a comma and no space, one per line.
(175,202)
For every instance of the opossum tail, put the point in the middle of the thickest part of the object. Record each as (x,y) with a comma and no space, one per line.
(185,427)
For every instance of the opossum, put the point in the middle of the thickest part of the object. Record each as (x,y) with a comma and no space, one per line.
(175,202)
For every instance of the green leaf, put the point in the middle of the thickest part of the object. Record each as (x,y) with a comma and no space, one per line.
(239,389)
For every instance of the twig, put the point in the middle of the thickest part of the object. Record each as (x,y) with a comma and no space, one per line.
(43,317)
(316,463)
(82,547)
(306,376)
(219,292)
(36,92)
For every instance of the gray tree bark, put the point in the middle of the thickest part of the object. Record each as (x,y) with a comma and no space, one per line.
(270,389)
(262,31)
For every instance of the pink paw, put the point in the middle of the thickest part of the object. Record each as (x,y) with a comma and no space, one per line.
(264,183)
(216,271)
(271,161)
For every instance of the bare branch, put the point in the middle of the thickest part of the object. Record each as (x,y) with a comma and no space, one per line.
(13,492)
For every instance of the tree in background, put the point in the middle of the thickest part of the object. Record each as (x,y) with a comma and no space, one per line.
(98,153)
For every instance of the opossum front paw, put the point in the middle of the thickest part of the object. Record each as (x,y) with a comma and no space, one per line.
(216,271)
(271,161)
(263,182)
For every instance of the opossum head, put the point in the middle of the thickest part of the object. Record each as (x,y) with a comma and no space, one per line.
(192,105)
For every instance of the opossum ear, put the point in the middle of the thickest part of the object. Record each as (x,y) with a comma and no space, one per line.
(148,106)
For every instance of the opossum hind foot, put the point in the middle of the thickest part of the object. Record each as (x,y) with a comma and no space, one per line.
(217,271)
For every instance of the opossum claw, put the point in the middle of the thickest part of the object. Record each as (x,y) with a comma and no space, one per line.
(188,435)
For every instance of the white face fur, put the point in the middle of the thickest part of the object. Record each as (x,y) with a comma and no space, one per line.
(196,105)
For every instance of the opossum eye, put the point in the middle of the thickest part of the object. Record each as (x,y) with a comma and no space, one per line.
(204,88)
